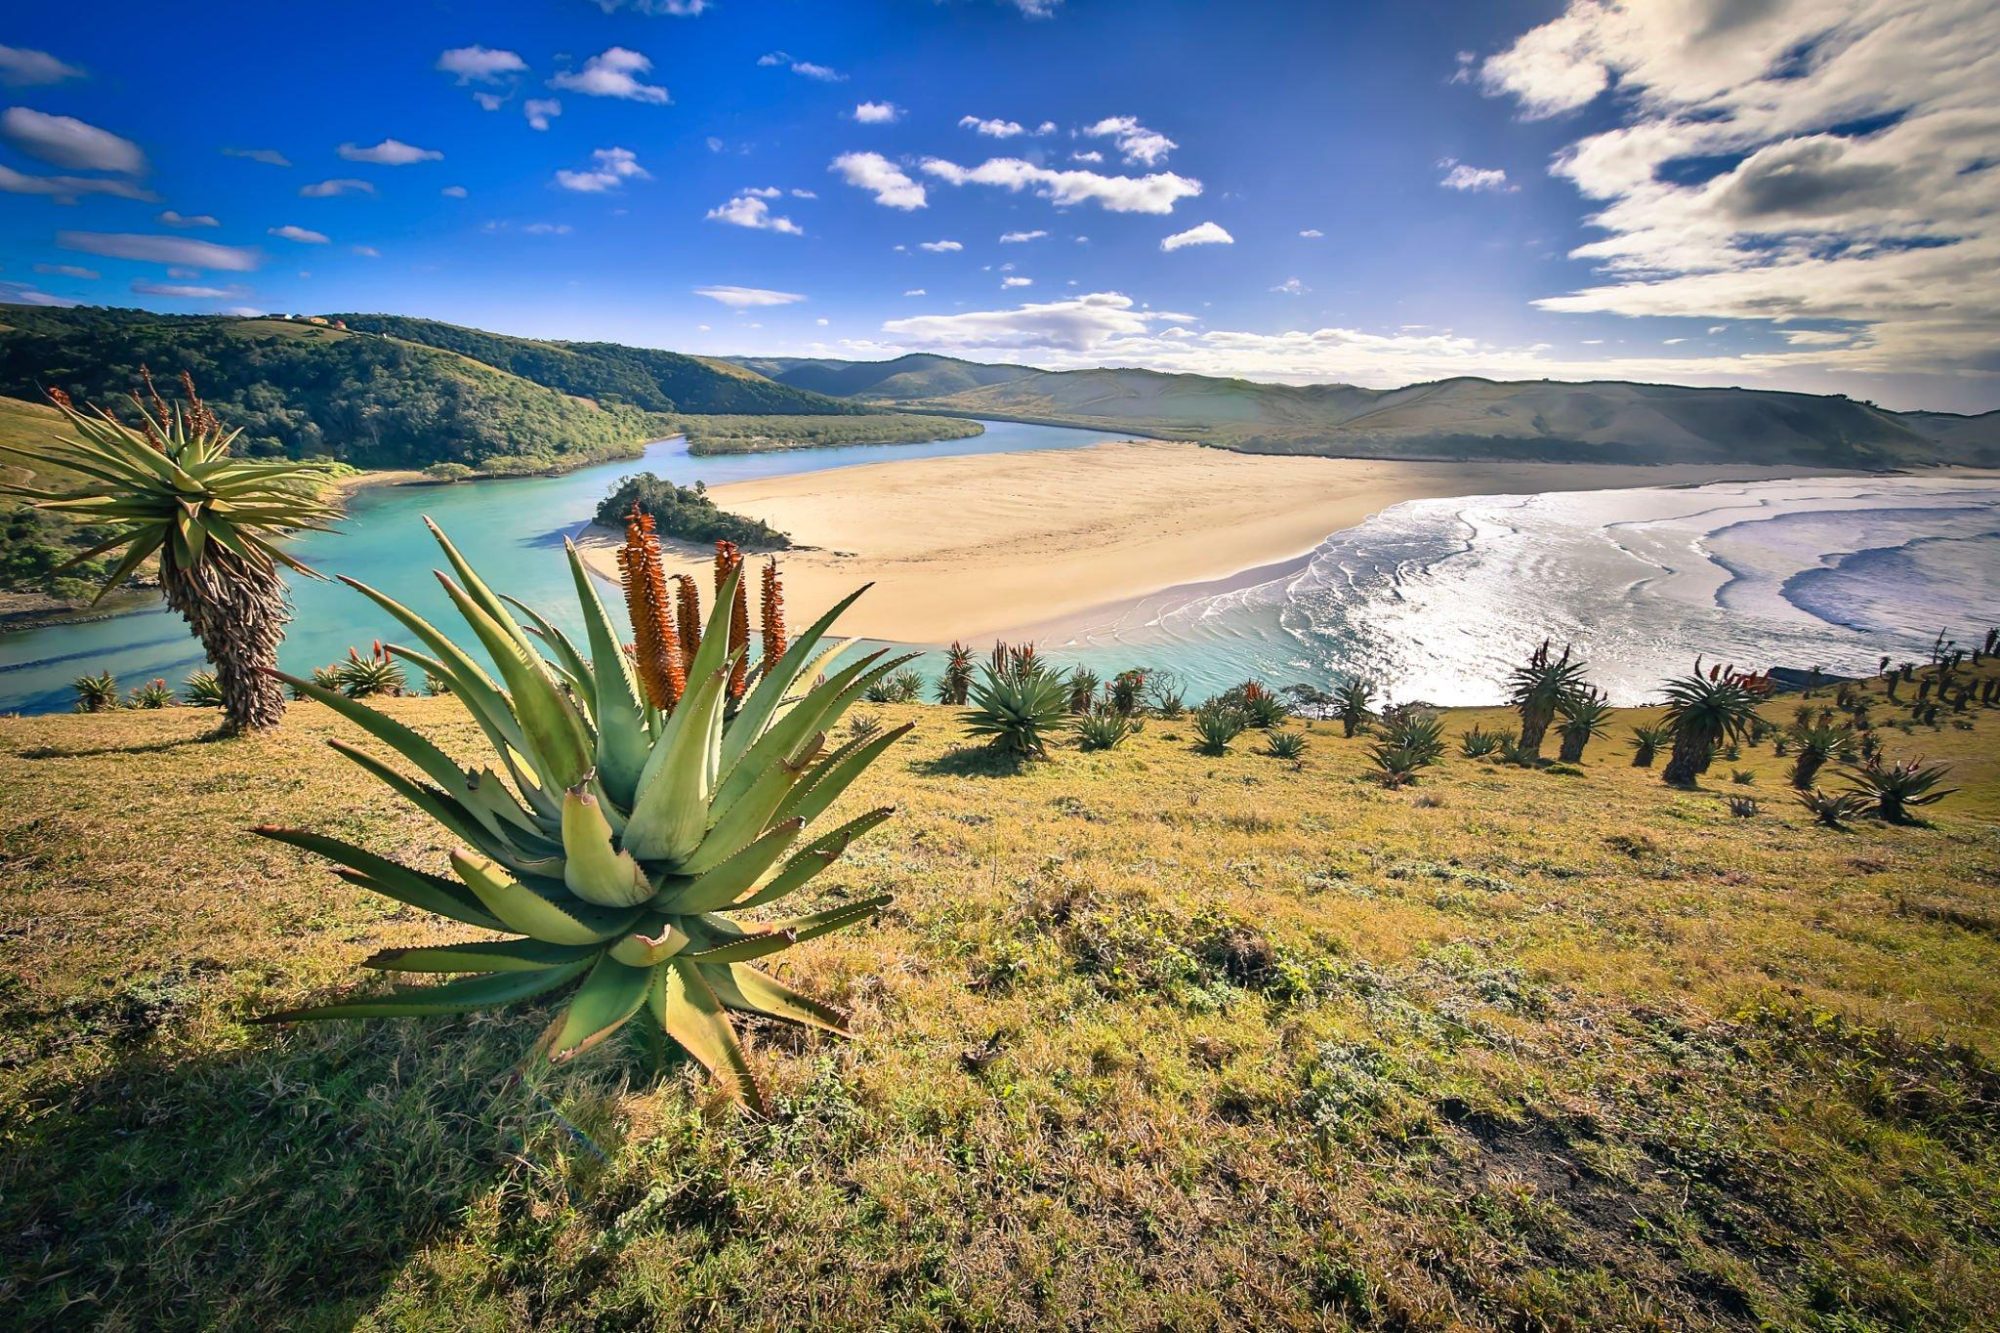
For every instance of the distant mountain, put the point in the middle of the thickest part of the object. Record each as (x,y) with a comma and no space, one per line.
(918,375)
(641,377)
(1608,421)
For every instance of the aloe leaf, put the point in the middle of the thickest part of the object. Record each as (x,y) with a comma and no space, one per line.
(555,733)
(786,735)
(479,956)
(825,785)
(622,739)
(730,879)
(593,867)
(611,994)
(569,661)
(823,852)
(783,935)
(687,1007)
(741,986)
(761,705)
(670,812)
(453,997)
(431,893)
(469,680)
(455,818)
(535,914)
(732,826)
(637,950)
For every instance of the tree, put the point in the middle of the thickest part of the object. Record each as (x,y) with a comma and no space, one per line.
(172,486)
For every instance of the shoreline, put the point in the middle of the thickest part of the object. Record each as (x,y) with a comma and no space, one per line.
(996,545)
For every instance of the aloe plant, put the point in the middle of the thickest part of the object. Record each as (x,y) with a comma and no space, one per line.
(1537,688)
(1354,704)
(1889,791)
(1478,742)
(1705,711)
(622,835)
(1105,728)
(96,694)
(378,673)
(1019,703)
(1816,746)
(1647,742)
(1584,715)
(204,690)
(1284,743)
(1215,726)
(170,486)
(955,684)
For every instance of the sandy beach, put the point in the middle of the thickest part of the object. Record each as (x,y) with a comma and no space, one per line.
(986,545)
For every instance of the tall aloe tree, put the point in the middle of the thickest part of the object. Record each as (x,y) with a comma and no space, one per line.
(1537,688)
(636,822)
(170,485)
(1704,711)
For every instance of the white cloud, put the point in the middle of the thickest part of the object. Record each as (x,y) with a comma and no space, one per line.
(877,113)
(1089,155)
(804,194)
(270,157)
(480,64)
(881,177)
(366,251)
(547,229)
(22,294)
(613,73)
(23,68)
(822,322)
(940,247)
(540,111)
(68,189)
(453,192)
(609,168)
(1312,233)
(1785,161)
(1035,9)
(389,153)
(1046,127)
(992,129)
(490,101)
(1118,194)
(161,250)
(1292,287)
(65,141)
(806,68)
(916,291)
(1077,324)
(747,210)
(1459,176)
(741,298)
(1017,282)
(302,235)
(763,192)
(329,188)
(1140,146)
(1017,237)
(184,292)
(173,219)
(677,8)
(69,271)
(1206,233)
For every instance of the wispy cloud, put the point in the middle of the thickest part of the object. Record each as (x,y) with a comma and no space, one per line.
(739,298)
(328,189)
(1017,282)
(65,141)
(187,292)
(173,219)
(481,64)
(804,68)
(389,153)
(69,271)
(161,250)
(992,129)
(270,157)
(24,68)
(610,167)
(1018,237)
(1207,233)
(875,173)
(1140,146)
(1118,194)
(540,111)
(68,189)
(613,73)
(1459,176)
(750,210)
(877,113)
(303,235)
(940,247)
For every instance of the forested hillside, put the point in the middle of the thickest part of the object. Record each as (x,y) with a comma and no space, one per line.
(642,377)
(313,391)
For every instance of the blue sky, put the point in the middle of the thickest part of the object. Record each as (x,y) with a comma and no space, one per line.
(1706,192)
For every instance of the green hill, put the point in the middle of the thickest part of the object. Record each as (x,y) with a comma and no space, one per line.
(918,375)
(1601,421)
(312,391)
(611,373)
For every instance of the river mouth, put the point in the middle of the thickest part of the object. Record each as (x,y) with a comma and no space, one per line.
(511,528)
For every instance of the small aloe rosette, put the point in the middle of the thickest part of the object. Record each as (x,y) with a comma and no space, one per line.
(647,801)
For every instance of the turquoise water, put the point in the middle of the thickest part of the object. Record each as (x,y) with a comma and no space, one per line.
(512,530)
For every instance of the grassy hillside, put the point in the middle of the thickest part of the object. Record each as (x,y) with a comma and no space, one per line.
(1148,1040)
(308,391)
(33,544)
(756,435)
(641,377)
(1607,421)
(918,375)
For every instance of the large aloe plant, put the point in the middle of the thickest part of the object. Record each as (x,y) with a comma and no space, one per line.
(629,833)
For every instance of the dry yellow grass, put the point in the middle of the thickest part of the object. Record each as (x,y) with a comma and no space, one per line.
(1148,1039)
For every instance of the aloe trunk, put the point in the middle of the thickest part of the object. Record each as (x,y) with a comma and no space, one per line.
(238,611)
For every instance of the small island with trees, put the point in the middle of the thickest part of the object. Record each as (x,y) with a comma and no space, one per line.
(685,513)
